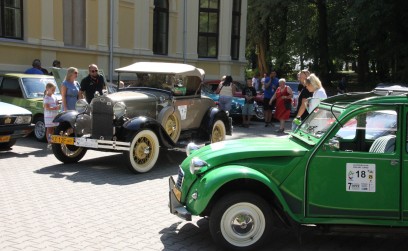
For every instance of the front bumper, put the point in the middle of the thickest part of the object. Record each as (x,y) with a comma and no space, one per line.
(91,143)
(176,207)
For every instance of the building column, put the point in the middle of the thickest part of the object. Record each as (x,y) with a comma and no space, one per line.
(143,34)
(224,42)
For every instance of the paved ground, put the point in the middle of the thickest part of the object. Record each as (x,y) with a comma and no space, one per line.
(97,204)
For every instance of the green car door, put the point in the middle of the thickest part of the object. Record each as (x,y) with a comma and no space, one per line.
(356,171)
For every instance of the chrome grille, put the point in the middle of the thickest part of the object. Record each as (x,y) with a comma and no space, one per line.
(102,118)
(180,178)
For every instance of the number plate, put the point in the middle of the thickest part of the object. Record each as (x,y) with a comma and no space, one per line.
(5,138)
(62,140)
(85,142)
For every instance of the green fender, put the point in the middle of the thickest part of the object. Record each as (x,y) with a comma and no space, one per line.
(207,186)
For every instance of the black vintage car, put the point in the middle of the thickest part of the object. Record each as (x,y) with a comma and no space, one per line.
(160,106)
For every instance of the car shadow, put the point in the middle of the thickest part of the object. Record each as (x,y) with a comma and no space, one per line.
(112,169)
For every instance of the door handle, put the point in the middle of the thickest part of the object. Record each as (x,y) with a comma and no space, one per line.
(394,162)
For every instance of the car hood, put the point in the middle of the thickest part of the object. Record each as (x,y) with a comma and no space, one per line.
(233,151)
(132,95)
(6,108)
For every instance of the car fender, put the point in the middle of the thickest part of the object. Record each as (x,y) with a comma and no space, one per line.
(212,182)
(80,121)
(139,123)
(212,115)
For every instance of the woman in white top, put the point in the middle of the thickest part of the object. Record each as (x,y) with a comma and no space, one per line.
(314,85)
(226,89)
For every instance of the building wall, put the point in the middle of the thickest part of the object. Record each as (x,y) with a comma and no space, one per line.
(132,36)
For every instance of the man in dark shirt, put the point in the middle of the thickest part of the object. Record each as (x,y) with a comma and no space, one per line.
(249,94)
(304,94)
(92,83)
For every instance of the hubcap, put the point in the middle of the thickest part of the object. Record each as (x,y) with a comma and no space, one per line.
(242,224)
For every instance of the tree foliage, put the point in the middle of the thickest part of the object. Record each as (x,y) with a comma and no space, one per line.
(327,36)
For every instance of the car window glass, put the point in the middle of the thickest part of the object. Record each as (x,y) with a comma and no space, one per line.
(11,87)
(317,123)
(361,131)
(35,87)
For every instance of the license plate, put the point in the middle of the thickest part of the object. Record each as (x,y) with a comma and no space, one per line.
(62,140)
(174,189)
(85,142)
(5,138)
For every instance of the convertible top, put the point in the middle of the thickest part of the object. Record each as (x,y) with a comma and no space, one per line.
(164,68)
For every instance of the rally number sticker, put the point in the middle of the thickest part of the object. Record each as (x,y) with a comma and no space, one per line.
(360,177)
(183,111)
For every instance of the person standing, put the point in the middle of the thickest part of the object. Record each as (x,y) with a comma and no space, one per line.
(94,82)
(282,95)
(51,109)
(70,89)
(249,94)
(270,85)
(226,90)
(301,112)
(314,85)
(36,69)
(255,82)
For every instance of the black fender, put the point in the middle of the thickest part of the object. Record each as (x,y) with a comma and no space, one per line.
(140,123)
(80,122)
(213,114)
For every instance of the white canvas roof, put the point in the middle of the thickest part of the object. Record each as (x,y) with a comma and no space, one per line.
(164,68)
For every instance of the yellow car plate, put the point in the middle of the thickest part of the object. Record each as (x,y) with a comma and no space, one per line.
(62,140)
(5,138)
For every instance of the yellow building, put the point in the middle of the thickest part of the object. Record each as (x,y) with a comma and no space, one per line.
(209,34)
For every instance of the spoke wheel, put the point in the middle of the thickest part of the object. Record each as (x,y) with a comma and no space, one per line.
(172,126)
(218,132)
(67,153)
(144,152)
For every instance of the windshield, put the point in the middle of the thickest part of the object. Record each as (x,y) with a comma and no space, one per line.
(318,122)
(35,87)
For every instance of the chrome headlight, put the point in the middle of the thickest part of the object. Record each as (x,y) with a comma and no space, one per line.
(81,106)
(196,164)
(191,147)
(119,109)
(23,119)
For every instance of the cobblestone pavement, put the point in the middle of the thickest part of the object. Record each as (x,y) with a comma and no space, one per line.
(97,204)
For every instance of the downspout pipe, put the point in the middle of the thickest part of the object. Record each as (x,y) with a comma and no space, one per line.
(111,42)
(185,31)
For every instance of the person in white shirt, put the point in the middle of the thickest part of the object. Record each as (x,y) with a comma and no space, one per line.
(226,89)
(314,85)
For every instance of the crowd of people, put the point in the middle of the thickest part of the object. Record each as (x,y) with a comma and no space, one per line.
(277,96)
(71,91)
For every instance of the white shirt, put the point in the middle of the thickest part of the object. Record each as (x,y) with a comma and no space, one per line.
(320,93)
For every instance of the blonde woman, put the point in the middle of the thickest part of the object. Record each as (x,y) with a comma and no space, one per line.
(314,85)
(70,89)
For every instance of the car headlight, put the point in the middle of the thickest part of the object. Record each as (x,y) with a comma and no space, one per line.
(81,106)
(191,147)
(119,109)
(24,119)
(196,164)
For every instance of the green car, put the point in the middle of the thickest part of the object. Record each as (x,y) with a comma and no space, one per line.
(27,91)
(344,167)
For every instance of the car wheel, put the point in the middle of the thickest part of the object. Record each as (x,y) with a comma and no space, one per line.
(218,132)
(241,221)
(67,153)
(172,125)
(143,152)
(7,145)
(39,129)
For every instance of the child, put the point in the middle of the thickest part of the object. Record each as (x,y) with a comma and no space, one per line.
(51,109)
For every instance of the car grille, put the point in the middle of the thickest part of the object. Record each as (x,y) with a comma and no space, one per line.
(7,120)
(102,118)
(180,178)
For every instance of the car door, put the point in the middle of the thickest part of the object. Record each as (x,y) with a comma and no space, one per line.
(357,179)
(11,92)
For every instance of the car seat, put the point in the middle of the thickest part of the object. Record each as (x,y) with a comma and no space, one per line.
(384,144)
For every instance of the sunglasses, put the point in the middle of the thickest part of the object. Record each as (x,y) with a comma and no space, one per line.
(76,72)
(94,71)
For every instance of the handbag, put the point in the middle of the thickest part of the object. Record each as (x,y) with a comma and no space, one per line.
(288,103)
